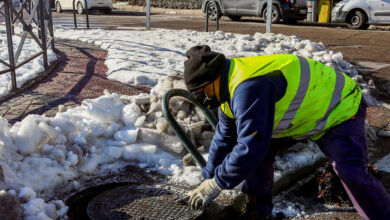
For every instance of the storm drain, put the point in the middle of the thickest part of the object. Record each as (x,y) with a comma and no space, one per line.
(140,202)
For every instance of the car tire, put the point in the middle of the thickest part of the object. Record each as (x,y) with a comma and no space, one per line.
(80,8)
(214,11)
(275,14)
(234,17)
(107,11)
(357,20)
(58,7)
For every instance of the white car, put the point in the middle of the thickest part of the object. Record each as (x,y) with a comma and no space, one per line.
(359,14)
(104,5)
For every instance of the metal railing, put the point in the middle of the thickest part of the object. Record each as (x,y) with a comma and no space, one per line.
(208,5)
(85,10)
(39,17)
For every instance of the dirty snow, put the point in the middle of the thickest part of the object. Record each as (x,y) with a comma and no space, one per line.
(112,131)
(25,72)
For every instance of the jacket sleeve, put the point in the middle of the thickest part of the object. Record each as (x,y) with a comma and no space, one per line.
(224,139)
(253,106)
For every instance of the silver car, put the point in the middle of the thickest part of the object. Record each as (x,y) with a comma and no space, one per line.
(359,14)
(289,10)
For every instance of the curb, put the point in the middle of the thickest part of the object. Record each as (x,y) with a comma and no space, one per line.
(167,11)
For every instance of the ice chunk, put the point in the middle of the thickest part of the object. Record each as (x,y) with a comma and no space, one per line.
(140,121)
(89,165)
(115,152)
(167,142)
(161,125)
(72,158)
(104,109)
(26,194)
(29,136)
(34,206)
(127,135)
(130,114)
(50,211)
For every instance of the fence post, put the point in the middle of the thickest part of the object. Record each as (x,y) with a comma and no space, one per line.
(269,17)
(86,13)
(7,5)
(207,14)
(148,14)
(50,27)
(43,33)
(74,15)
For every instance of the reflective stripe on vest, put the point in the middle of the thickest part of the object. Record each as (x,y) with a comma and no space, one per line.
(298,99)
(317,97)
(336,98)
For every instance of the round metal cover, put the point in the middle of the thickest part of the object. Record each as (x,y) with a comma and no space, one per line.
(139,202)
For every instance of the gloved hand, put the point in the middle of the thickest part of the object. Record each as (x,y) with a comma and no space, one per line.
(206,192)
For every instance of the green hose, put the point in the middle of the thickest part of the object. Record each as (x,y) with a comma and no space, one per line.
(191,148)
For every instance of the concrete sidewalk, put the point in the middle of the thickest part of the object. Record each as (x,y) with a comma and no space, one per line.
(80,74)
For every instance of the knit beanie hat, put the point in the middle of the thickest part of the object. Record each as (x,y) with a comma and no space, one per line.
(202,67)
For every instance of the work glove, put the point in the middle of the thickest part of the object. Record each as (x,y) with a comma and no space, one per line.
(206,192)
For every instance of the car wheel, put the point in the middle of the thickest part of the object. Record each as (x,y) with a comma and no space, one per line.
(214,11)
(234,17)
(80,8)
(58,7)
(107,11)
(357,20)
(275,17)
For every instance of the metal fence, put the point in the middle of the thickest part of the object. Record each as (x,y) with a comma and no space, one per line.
(179,4)
(35,18)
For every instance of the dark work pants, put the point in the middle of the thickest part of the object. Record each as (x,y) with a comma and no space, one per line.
(345,146)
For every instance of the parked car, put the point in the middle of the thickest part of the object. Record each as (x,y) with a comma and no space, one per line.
(359,14)
(104,5)
(289,10)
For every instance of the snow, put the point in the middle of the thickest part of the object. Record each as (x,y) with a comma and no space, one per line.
(25,72)
(143,57)
(384,164)
(112,131)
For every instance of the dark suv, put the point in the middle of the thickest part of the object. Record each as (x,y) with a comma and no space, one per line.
(289,10)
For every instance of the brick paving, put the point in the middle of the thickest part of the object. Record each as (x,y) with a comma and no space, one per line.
(80,74)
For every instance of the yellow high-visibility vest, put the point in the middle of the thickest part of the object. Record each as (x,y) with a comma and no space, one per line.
(316,98)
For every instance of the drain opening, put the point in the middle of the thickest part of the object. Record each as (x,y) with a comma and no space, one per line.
(78,203)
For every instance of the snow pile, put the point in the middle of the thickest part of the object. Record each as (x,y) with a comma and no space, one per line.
(142,57)
(26,72)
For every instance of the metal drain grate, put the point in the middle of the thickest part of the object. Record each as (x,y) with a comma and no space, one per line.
(140,202)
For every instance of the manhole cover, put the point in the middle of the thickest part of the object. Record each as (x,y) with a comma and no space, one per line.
(139,202)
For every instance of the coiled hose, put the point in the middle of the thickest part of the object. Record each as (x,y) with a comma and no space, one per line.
(191,148)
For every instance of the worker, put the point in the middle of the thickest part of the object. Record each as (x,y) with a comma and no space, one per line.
(267,103)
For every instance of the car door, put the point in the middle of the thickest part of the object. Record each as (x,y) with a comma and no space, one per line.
(380,11)
(228,6)
(247,7)
(66,4)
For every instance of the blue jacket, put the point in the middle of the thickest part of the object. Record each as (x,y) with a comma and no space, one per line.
(239,144)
